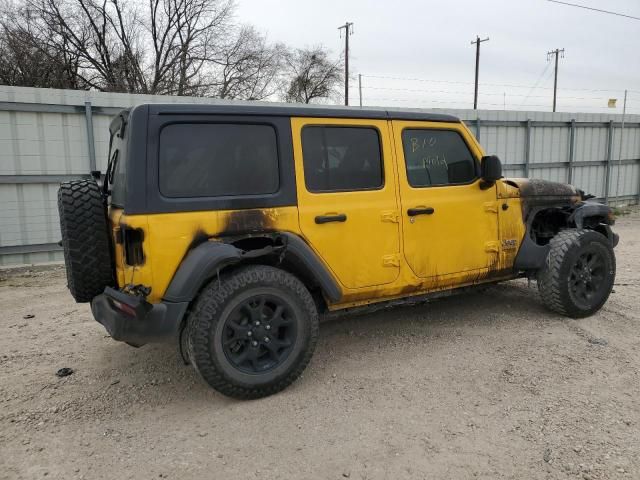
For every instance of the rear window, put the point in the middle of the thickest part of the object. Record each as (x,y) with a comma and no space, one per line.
(211,160)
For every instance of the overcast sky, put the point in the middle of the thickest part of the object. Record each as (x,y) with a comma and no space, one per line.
(430,40)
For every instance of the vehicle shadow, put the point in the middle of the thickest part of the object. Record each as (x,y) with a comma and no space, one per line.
(469,306)
(156,375)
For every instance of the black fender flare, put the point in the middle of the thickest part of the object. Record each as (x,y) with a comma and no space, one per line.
(588,210)
(207,259)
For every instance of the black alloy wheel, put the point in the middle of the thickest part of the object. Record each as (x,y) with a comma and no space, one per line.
(579,273)
(587,276)
(259,333)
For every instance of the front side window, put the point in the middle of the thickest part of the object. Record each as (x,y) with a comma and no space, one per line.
(210,160)
(437,157)
(341,158)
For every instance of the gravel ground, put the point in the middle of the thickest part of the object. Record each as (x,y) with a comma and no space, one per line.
(485,385)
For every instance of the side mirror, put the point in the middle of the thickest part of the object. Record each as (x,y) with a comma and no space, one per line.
(490,168)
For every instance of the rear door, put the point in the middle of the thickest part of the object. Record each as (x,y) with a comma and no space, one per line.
(449,218)
(347,200)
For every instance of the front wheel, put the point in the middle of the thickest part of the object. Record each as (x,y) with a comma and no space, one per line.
(579,274)
(252,332)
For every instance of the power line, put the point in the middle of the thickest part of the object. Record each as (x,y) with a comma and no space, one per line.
(419,102)
(592,103)
(536,84)
(426,80)
(588,103)
(595,9)
(409,79)
(457,92)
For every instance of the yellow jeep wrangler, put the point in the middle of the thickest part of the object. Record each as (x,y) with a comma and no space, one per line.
(231,228)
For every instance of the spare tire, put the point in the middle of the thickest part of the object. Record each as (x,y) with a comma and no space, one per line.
(85,239)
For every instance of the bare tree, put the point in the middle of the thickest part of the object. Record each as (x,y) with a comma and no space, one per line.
(311,75)
(248,67)
(100,35)
(185,34)
(165,47)
(25,57)
(173,47)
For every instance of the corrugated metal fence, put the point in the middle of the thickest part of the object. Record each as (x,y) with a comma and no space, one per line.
(48,136)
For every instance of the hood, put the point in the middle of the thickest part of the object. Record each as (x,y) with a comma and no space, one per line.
(532,187)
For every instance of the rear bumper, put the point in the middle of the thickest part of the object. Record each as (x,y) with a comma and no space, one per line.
(128,318)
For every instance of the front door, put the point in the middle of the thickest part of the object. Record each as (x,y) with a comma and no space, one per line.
(449,216)
(347,200)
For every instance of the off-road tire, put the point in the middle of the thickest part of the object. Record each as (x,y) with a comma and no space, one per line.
(554,280)
(211,310)
(85,239)
(207,320)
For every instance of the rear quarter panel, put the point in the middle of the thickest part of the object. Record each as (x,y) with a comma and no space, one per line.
(169,236)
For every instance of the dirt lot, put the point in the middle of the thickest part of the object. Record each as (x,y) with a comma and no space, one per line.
(489,385)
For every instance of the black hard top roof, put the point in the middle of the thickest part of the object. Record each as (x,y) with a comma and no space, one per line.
(297,110)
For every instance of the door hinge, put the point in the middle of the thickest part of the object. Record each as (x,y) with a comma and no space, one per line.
(392,260)
(492,247)
(390,216)
(491,207)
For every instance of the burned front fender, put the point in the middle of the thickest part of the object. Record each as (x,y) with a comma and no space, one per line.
(534,187)
(547,208)
(535,194)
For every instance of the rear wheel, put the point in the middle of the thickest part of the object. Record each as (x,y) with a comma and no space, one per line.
(579,274)
(253,332)
(85,239)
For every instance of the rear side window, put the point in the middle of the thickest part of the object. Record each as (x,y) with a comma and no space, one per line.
(116,168)
(117,175)
(437,157)
(341,158)
(210,160)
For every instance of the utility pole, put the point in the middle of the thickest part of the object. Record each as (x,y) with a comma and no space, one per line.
(475,95)
(556,53)
(348,30)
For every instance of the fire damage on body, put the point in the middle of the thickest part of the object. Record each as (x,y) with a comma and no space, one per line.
(250,237)
(550,207)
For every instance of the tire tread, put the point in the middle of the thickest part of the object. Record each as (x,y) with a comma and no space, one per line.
(207,309)
(85,239)
(551,283)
